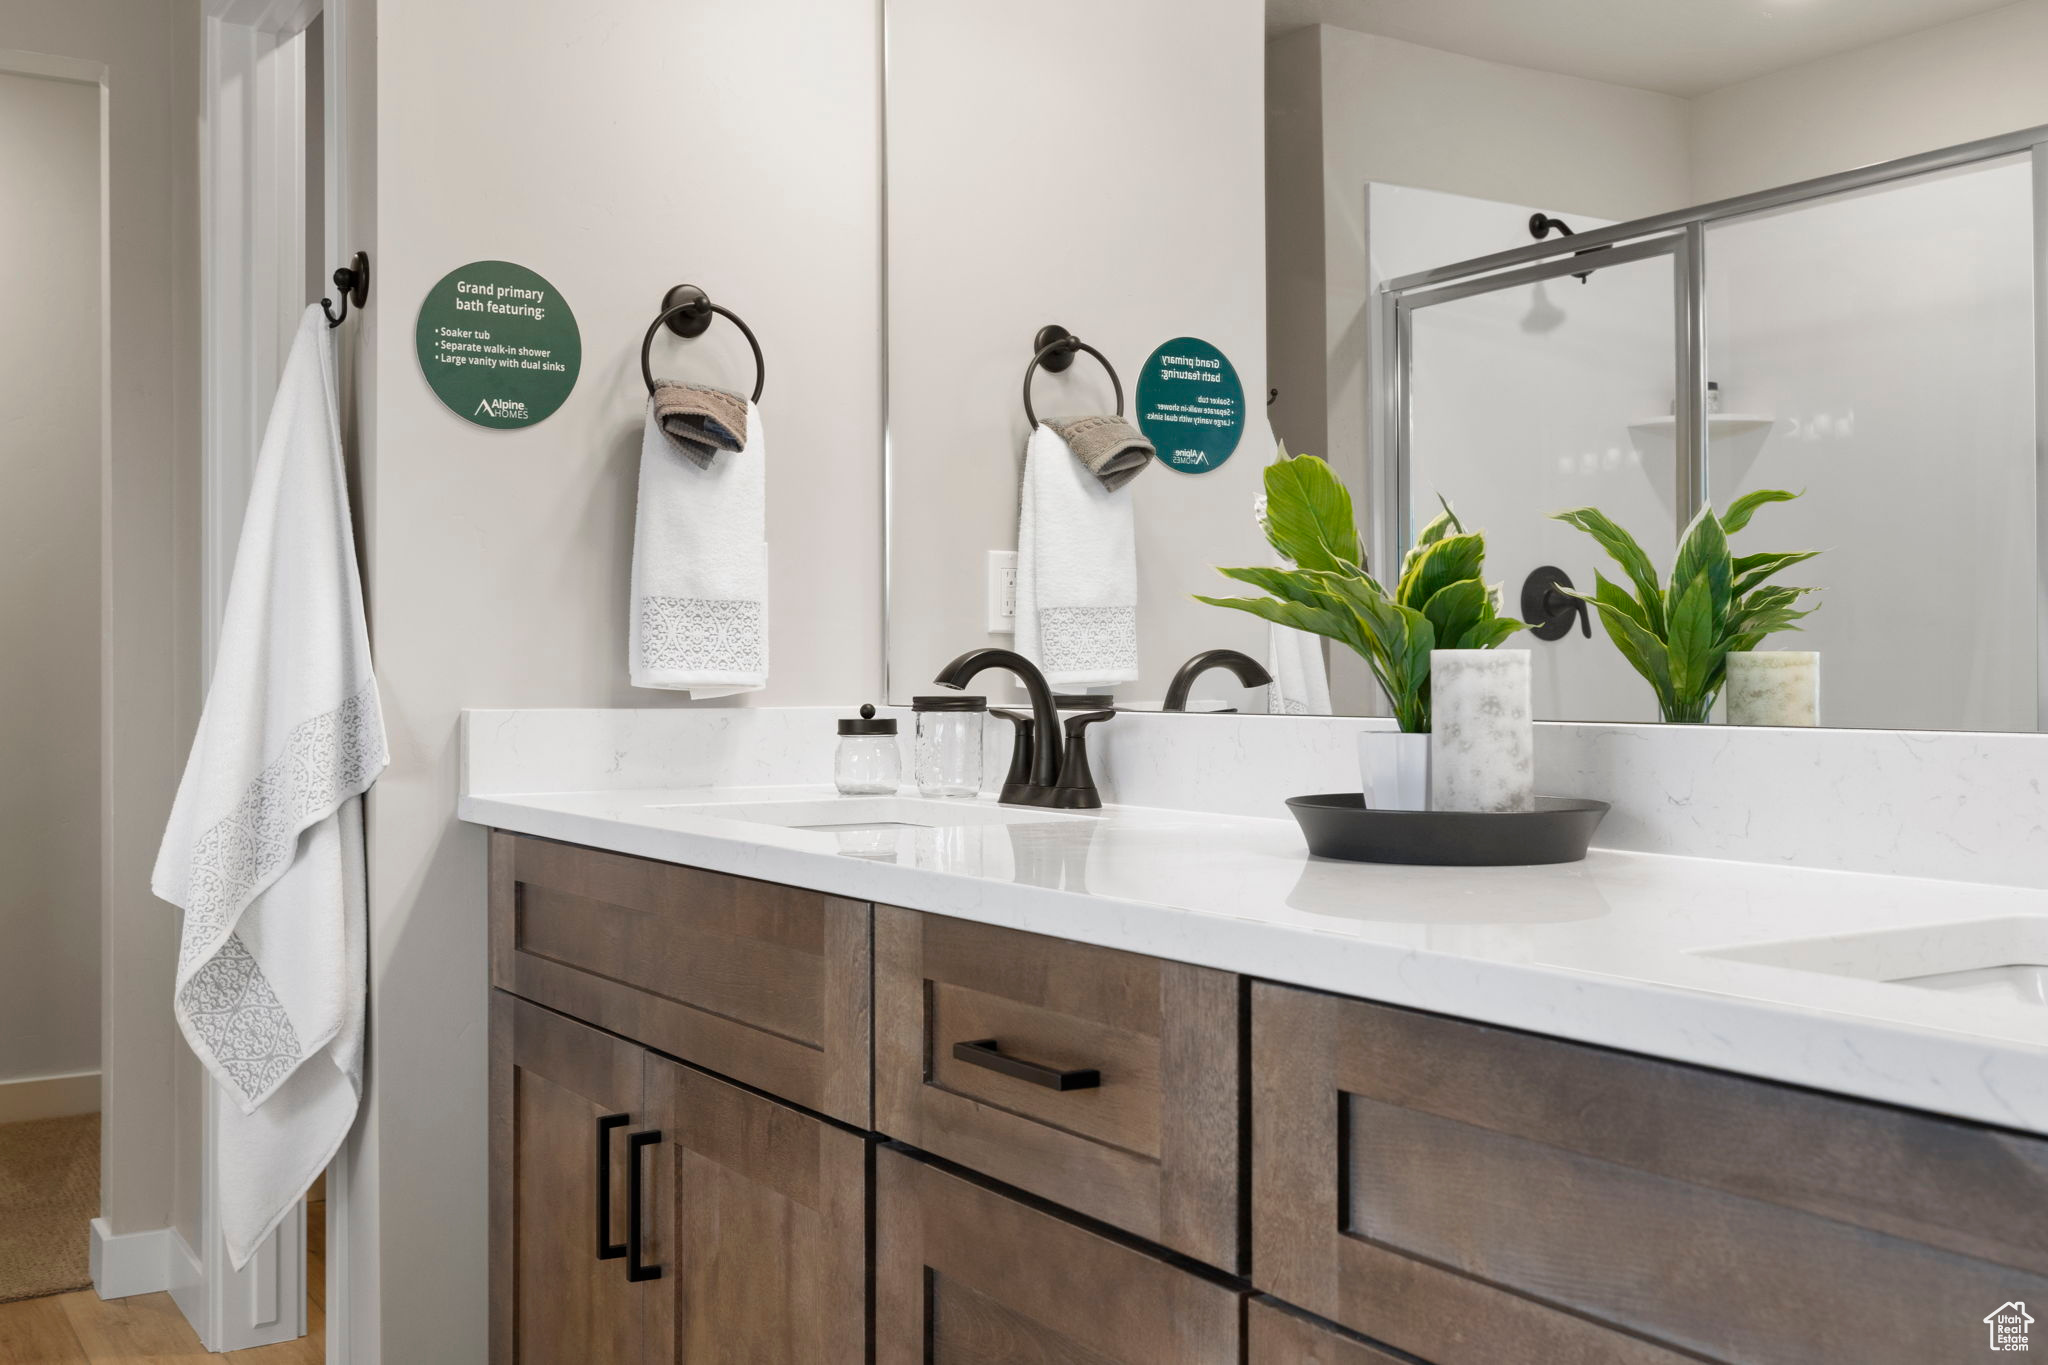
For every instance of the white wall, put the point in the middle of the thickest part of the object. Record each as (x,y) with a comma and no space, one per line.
(49,558)
(1972,78)
(1099,167)
(617,151)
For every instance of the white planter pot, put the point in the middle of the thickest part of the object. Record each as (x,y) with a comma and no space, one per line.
(1777,687)
(1393,769)
(1483,746)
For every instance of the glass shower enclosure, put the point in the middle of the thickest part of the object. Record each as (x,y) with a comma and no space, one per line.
(1874,339)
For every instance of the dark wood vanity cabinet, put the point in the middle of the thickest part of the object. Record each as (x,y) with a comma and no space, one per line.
(1472,1194)
(645,1213)
(1276,1334)
(558,1183)
(764,983)
(981,1033)
(1092,1157)
(967,1275)
(760,1218)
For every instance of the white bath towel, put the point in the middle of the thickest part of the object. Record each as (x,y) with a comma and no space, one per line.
(1077,570)
(264,850)
(1301,680)
(699,610)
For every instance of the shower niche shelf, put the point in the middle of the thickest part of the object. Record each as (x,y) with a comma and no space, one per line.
(1719,424)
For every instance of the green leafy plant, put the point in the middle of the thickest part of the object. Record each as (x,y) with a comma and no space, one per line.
(1438,603)
(1718,603)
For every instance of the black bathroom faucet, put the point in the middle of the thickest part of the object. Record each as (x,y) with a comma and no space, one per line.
(1249,671)
(1040,776)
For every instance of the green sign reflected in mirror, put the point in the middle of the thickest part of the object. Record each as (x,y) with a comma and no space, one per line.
(1190,405)
(498,344)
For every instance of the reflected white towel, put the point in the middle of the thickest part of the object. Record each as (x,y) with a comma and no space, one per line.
(699,610)
(1301,680)
(1077,570)
(264,849)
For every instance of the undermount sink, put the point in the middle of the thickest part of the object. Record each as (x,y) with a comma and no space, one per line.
(2000,959)
(875,812)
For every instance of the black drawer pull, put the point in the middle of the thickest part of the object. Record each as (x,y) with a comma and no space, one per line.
(983,1052)
(636,1270)
(607,1249)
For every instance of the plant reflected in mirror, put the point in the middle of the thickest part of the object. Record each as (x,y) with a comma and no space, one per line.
(1718,603)
(1439,602)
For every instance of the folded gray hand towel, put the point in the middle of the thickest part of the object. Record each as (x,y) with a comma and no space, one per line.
(1108,446)
(700,422)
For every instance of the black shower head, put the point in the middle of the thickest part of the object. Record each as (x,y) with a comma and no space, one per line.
(1541,225)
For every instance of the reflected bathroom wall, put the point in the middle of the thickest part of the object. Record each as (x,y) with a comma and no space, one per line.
(1888,339)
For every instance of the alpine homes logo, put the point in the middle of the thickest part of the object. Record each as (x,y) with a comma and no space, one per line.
(504,409)
(2007,1325)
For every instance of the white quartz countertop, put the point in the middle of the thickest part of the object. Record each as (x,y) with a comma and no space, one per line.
(1618,950)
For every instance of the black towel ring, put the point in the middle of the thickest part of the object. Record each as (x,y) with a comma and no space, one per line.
(1054,348)
(687,311)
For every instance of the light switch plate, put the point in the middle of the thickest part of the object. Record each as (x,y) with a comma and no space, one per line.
(1002,591)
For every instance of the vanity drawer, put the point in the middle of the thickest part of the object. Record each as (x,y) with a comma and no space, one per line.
(1471,1194)
(766,984)
(1151,1146)
(965,1275)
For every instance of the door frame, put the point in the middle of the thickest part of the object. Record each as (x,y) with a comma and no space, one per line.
(253,242)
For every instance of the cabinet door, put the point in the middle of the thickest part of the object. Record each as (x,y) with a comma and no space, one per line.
(1279,1335)
(759,1228)
(965,1275)
(564,1101)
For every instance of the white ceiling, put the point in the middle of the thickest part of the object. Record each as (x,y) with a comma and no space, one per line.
(1681,47)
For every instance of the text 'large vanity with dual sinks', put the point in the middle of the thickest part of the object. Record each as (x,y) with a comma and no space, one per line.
(784,1075)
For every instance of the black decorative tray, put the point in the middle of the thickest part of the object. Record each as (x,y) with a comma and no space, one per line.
(1339,825)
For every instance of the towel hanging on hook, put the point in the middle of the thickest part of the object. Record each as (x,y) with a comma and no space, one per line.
(687,311)
(352,282)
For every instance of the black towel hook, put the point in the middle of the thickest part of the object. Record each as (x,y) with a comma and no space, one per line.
(687,311)
(352,281)
(1054,348)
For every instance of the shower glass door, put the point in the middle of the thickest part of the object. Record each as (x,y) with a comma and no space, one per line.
(1876,352)
(1534,391)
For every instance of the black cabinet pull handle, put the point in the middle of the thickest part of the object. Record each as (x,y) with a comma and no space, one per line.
(636,1269)
(983,1052)
(607,1249)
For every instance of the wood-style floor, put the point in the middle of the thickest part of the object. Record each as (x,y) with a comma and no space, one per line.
(84,1329)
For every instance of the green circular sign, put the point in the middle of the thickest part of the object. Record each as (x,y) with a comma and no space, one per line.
(1190,405)
(498,344)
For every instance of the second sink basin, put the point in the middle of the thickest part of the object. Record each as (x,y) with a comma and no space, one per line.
(868,812)
(2001,959)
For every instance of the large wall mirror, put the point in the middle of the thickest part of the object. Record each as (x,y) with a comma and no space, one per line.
(1517,256)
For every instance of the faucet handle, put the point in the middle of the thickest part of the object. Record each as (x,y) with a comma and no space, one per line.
(1020,749)
(1076,789)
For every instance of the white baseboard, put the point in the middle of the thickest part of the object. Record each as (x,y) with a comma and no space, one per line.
(131,1262)
(187,1280)
(49,1097)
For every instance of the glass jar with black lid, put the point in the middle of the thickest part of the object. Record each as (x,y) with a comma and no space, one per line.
(946,751)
